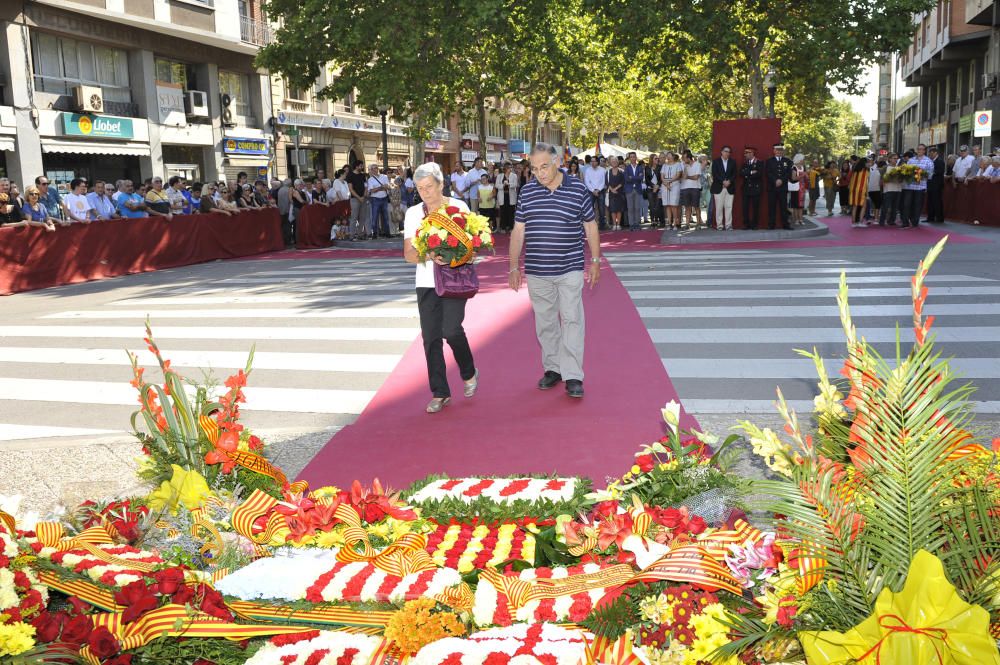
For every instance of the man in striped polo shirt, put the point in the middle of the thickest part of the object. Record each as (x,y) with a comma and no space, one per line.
(553,215)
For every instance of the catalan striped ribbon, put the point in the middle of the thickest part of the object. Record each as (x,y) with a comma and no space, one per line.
(174,621)
(587,544)
(405,556)
(213,541)
(613,652)
(717,543)
(51,534)
(248,460)
(521,592)
(84,590)
(448,224)
(210,427)
(387,653)
(257,505)
(459,597)
(811,567)
(326,615)
(693,564)
(7,520)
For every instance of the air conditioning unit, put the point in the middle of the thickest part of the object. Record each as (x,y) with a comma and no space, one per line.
(88,99)
(990,82)
(196,103)
(228,116)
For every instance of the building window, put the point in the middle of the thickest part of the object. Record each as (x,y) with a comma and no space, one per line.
(517,132)
(61,63)
(494,126)
(443,121)
(237,86)
(297,94)
(469,124)
(348,102)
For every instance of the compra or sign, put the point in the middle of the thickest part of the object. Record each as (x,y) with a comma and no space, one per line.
(965,123)
(238,146)
(983,124)
(102,126)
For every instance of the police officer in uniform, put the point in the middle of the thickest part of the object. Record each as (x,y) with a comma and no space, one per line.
(753,185)
(779,170)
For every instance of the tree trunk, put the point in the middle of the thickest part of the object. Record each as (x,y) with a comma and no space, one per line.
(758,104)
(481,116)
(533,136)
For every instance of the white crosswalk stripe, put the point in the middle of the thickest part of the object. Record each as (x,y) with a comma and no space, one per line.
(727,335)
(322,348)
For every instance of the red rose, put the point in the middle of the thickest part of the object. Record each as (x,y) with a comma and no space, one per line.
(696,525)
(48,625)
(102,643)
(214,605)
(140,607)
(132,593)
(203,661)
(671,518)
(451,210)
(433,241)
(645,462)
(452,241)
(183,595)
(168,581)
(121,659)
(606,509)
(77,630)
(476,242)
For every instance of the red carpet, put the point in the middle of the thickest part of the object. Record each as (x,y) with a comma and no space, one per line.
(510,426)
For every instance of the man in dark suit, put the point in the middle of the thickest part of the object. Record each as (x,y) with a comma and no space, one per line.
(723,187)
(752,172)
(779,171)
(935,188)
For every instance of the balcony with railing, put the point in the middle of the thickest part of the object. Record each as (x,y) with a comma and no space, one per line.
(255,32)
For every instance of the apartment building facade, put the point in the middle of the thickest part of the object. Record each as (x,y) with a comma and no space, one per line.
(109,89)
(954,61)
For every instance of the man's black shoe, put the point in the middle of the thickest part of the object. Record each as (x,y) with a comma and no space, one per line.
(549,379)
(574,388)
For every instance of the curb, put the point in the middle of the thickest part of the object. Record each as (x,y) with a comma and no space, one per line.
(812,229)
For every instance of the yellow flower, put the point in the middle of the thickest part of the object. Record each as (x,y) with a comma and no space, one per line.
(651,608)
(185,488)
(16,638)
(325,491)
(329,539)
(380,530)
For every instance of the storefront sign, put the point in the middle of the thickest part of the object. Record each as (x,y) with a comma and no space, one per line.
(432,145)
(984,124)
(469,156)
(518,145)
(261,171)
(304,119)
(241,146)
(926,135)
(965,123)
(104,126)
(170,100)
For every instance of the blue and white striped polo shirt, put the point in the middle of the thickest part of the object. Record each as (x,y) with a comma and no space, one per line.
(553,226)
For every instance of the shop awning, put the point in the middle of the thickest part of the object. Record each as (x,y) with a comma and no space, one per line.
(6,143)
(96,148)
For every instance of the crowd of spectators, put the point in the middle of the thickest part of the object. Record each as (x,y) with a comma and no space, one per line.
(42,205)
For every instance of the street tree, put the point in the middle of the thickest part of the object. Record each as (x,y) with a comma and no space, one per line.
(809,44)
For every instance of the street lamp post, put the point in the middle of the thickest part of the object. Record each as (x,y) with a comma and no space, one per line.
(772,87)
(383,109)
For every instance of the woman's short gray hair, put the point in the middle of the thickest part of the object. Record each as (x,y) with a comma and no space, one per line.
(428,170)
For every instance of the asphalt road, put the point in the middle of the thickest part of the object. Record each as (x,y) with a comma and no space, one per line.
(328,332)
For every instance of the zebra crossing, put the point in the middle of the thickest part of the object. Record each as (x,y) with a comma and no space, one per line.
(727,323)
(326,334)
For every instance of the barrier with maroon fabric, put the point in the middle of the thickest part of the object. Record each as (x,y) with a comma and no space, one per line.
(760,133)
(974,201)
(32,258)
(312,228)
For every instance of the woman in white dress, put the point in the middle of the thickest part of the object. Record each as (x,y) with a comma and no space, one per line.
(670,189)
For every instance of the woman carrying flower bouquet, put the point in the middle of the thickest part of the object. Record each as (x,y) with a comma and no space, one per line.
(859,191)
(440,318)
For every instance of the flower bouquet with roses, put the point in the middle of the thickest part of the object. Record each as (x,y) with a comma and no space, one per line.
(454,235)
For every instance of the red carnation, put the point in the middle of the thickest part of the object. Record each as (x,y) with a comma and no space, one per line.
(203,661)
(254,442)
(433,241)
(696,525)
(606,509)
(497,658)
(645,462)
(452,241)
(347,657)
(77,630)
(451,210)
(476,242)
(102,643)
